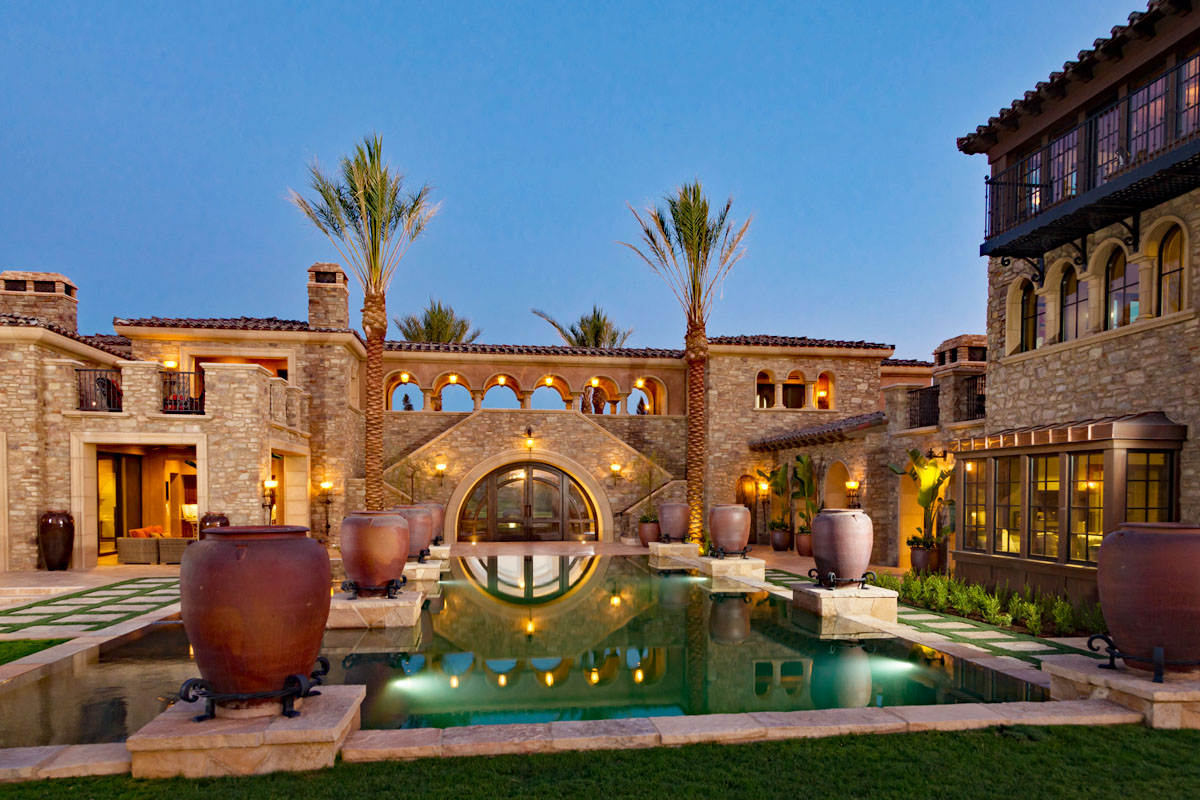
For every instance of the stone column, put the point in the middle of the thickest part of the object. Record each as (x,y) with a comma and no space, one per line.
(1096,303)
(477,397)
(427,399)
(141,387)
(525,398)
(623,404)
(808,395)
(778,395)
(1147,286)
(573,403)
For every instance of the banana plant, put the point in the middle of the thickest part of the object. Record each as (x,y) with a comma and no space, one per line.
(777,482)
(804,478)
(929,479)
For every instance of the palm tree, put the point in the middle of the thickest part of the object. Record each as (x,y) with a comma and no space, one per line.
(692,252)
(590,330)
(371,220)
(437,323)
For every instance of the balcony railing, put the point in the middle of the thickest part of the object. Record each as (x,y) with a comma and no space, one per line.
(923,406)
(183,392)
(1146,123)
(99,389)
(974,398)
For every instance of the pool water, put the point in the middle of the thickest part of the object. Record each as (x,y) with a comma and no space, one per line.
(538,639)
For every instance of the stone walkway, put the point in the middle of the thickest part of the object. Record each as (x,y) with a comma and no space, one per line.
(74,613)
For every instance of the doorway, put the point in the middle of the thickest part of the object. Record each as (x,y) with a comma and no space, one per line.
(119,499)
(527,502)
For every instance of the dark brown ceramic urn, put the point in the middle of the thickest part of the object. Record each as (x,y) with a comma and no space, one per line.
(673,521)
(254,604)
(648,532)
(212,520)
(729,618)
(56,538)
(781,540)
(841,541)
(729,527)
(1149,593)
(374,549)
(420,529)
(439,518)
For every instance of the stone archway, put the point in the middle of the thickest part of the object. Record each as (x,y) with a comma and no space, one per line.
(835,485)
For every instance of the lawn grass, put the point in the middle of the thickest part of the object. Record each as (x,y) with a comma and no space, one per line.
(1022,762)
(19,648)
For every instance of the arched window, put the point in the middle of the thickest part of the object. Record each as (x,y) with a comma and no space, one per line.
(1033,319)
(1170,272)
(823,391)
(1073,307)
(793,390)
(1121,283)
(764,390)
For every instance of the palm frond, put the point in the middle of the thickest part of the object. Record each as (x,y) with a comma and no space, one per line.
(436,323)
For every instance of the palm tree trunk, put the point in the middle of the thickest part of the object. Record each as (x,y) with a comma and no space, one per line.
(375,326)
(696,355)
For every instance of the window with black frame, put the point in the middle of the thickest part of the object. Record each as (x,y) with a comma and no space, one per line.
(1043,506)
(974,514)
(1008,505)
(1170,272)
(1149,486)
(1074,307)
(1121,281)
(1086,515)
(1033,318)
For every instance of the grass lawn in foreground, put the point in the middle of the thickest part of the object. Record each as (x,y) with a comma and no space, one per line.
(1059,762)
(19,648)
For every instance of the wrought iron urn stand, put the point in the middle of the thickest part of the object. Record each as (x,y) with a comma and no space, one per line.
(1157,658)
(832,581)
(388,590)
(295,686)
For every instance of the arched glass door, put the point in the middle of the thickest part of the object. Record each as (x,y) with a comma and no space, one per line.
(527,502)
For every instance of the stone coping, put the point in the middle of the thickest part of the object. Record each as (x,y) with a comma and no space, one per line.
(401,611)
(1175,688)
(845,601)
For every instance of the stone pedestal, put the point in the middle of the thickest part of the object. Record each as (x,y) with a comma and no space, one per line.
(402,611)
(440,552)
(733,567)
(684,549)
(173,745)
(838,627)
(338,644)
(847,601)
(422,576)
(1174,703)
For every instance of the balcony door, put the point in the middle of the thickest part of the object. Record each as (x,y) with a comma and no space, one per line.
(527,502)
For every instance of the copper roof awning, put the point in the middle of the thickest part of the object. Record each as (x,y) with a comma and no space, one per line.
(1147,426)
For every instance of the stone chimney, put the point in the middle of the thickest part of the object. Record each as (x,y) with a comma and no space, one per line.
(328,297)
(47,295)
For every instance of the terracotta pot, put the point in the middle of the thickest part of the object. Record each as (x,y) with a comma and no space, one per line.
(420,529)
(920,558)
(673,521)
(841,678)
(56,539)
(374,549)
(439,518)
(1149,593)
(841,543)
(212,520)
(729,527)
(254,604)
(648,532)
(729,619)
(804,544)
(781,540)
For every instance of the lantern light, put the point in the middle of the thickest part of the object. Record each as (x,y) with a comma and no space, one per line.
(500,380)
(271,483)
(763,486)
(640,383)
(404,377)
(594,676)
(170,364)
(549,380)
(453,681)
(453,378)
(595,382)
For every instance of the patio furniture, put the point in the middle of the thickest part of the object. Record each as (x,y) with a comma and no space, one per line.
(170,550)
(132,550)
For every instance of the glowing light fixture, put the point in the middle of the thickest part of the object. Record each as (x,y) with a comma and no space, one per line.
(327,485)
(1093,485)
(549,380)
(529,627)
(453,379)
(501,380)
(822,393)
(271,484)
(763,486)
(851,485)
(502,680)
(615,467)
(852,493)
(529,439)
(170,364)
(595,382)
(615,600)
(970,466)
(404,377)
(594,677)
(640,383)
(638,676)
(453,681)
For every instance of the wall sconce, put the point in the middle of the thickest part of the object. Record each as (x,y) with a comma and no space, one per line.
(169,364)
(615,470)
(441,471)
(501,380)
(529,439)
(822,393)
(453,378)
(529,627)
(268,504)
(595,382)
(852,494)
(640,383)
(404,377)
(549,380)
(327,499)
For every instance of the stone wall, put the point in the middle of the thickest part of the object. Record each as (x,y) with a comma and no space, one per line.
(663,437)
(405,431)
(59,306)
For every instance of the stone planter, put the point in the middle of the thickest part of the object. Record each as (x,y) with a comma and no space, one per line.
(841,541)
(673,521)
(439,519)
(781,540)
(374,550)
(648,532)
(729,619)
(420,530)
(804,545)
(729,528)
(1149,593)
(56,539)
(254,605)
(212,520)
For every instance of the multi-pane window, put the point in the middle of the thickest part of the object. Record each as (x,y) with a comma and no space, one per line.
(1043,506)
(1148,119)
(1074,313)
(1033,319)
(1187,98)
(1008,504)
(1148,486)
(974,516)
(1170,272)
(1107,156)
(1031,182)
(1086,522)
(1122,283)
(1064,168)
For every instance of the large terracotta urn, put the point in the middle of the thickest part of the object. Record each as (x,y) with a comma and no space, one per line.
(648,532)
(439,518)
(212,520)
(254,604)
(729,527)
(56,539)
(920,559)
(841,677)
(673,521)
(841,543)
(374,549)
(420,530)
(729,618)
(1149,592)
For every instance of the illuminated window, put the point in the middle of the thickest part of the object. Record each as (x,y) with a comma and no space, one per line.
(1008,505)
(974,515)
(1086,520)
(1043,506)
(1033,319)
(1073,307)
(1121,281)
(823,391)
(1149,490)
(764,390)
(1170,272)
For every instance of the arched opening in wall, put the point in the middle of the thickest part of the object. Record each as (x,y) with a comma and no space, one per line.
(501,396)
(746,492)
(793,390)
(527,501)
(404,396)
(909,521)
(640,403)
(764,390)
(455,397)
(835,486)
(823,391)
(547,398)
(600,396)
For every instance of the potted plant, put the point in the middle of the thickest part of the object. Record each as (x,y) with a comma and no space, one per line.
(648,528)
(780,529)
(781,535)
(929,479)
(804,478)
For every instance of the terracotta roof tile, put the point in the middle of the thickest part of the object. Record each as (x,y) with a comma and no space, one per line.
(23,321)
(817,434)
(532,350)
(226,323)
(905,362)
(764,340)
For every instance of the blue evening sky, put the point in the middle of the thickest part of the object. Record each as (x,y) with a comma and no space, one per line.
(146,150)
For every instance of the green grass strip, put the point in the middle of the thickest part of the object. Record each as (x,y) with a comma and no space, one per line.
(13,649)
(53,615)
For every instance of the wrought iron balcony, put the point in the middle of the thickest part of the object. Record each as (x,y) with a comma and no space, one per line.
(923,406)
(99,389)
(183,392)
(1142,150)
(974,397)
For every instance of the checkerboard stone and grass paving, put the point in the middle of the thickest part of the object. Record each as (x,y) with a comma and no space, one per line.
(91,609)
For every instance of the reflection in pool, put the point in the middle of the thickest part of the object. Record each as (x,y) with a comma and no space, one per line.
(582,639)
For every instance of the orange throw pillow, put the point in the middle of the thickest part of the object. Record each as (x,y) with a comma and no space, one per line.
(138,533)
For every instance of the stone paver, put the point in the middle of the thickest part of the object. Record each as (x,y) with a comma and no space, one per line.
(89,617)
(1023,646)
(488,740)
(392,745)
(950,717)
(909,616)
(48,631)
(828,722)
(1070,712)
(984,634)
(950,626)
(709,728)
(21,763)
(87,759)
(603,734)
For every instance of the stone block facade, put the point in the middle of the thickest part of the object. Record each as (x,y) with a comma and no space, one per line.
(45,295)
